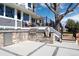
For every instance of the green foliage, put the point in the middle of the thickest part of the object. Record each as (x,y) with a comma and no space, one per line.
(77,25)
(71,23)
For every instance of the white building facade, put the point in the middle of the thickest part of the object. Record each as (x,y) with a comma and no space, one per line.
(16,16)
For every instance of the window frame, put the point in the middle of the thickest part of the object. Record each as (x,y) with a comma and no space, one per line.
(25,15)
(29,5)
(2,11)
(9,12)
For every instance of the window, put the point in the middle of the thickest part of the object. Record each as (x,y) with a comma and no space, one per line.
(29,5)
(25,17)
(1,9)
(18,14)
(9,12)
(33,20)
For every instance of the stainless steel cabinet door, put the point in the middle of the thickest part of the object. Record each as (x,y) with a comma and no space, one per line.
(7,39)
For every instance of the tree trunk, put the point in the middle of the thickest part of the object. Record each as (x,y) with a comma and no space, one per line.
(56,23)
(57,27)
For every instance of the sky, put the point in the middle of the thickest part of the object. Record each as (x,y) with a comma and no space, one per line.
(42,10)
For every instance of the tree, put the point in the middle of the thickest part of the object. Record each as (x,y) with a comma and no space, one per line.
(70,23)
(54,7)
(77,25)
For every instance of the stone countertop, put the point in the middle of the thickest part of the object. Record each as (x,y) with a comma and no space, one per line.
(13,30)
(39,29)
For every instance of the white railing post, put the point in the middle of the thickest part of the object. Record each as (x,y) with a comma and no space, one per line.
(30,20)
(21,18)
(4,9)
(15,17)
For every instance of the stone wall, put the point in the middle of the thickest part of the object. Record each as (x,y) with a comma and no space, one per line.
(19,36)
(1,39)
(40,38)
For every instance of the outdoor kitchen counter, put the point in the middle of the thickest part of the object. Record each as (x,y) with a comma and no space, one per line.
(11,36)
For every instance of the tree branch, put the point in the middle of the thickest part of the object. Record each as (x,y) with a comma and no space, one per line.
(52,6)
(51,9)
(54,9)
(67,11)
(70,10)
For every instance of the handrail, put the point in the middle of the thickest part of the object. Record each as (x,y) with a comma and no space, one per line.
(56,32)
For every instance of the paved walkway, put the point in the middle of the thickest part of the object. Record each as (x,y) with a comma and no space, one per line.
(31,48)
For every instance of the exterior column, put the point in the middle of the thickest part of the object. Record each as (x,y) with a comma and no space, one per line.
(32,6)
(15,17)
(4,9)
(30,19)
(21,18)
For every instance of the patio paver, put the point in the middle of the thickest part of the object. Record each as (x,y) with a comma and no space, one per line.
(32,48)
